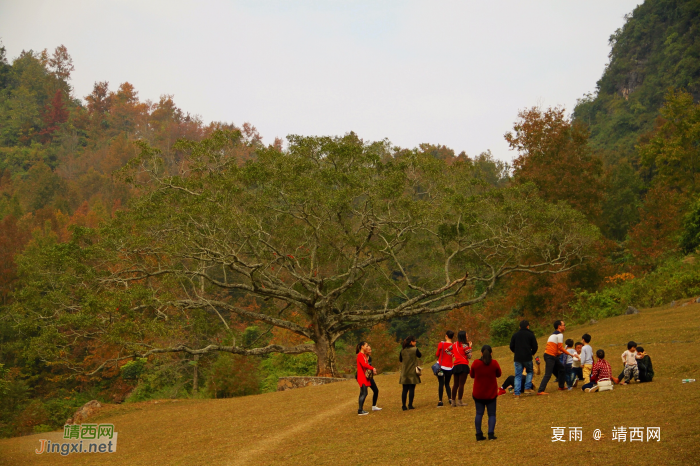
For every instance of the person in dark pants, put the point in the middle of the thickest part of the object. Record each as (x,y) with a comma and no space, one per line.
(646,369)
(445,360)
(555,347)
(462,352)
(364,373)
(409,377)
(485,372)
(373,386)
(523,344)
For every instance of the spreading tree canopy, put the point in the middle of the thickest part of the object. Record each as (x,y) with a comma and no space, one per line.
(327,236)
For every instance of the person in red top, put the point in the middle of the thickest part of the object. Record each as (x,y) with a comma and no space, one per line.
(363,371)
(485,372)
(601,370)
(445,360)
(461,353)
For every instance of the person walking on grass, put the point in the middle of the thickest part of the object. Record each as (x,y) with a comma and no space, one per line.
(373,384)
(523,344)
(555,347)
(485,372)
(462,353)
(409,375)
(444,356)
(365,372)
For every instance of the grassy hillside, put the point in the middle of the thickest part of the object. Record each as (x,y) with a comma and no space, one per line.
(318,425)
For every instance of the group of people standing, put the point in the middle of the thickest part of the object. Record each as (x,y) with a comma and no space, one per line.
(570,362)
(453,363)
(566,361)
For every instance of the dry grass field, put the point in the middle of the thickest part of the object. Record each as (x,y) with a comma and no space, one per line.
(319,425)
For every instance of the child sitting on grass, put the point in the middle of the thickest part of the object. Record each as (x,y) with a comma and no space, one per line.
(601,370)
(629,358)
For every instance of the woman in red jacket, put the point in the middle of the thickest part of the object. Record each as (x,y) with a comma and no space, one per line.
(462,353)
(485,372)
(364,373)
(445,360)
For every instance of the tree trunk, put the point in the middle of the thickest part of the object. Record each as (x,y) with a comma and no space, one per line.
(325,358)
(195,380)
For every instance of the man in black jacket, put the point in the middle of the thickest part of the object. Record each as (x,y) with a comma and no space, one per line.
(524,346)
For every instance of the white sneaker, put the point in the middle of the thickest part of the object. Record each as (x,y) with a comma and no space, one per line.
(374,408)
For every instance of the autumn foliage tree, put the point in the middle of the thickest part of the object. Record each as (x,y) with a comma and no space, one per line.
(553,153)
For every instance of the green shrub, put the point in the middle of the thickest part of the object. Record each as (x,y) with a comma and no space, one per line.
(132,369)
(502,329)
(161,378)
(233,375)
(676,279)
(284,365)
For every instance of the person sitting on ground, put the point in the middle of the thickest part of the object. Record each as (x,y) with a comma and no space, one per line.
(629,358)
(601,370)
(578,370)
(586,358)
(509,384)
(646,370)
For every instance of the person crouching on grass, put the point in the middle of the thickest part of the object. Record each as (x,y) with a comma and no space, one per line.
(485,372)
(365,373)
(601,370)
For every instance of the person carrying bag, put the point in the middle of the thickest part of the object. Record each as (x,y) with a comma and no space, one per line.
(443,367)
(410,371)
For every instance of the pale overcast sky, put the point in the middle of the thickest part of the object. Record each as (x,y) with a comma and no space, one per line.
(447,72)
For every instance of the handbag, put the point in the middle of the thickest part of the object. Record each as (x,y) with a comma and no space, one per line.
(419,371)
(437,370)
(369,374)
(604,385)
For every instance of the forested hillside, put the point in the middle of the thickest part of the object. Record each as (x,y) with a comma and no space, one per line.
(657,49)
(146,254)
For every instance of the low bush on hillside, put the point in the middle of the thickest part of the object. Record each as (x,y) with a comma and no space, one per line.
(678,278)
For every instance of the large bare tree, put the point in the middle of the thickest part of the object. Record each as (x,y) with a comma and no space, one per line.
(330,235)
